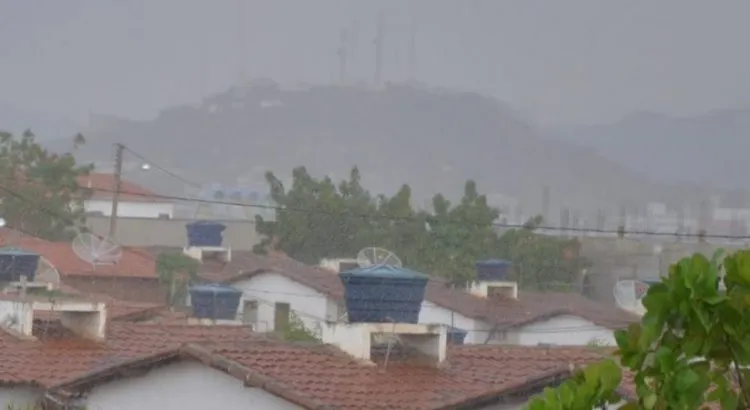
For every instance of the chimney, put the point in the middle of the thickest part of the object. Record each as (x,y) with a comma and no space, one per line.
(383,303)
(492,280)
(205,240)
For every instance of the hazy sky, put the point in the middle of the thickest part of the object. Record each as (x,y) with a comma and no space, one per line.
(559,61)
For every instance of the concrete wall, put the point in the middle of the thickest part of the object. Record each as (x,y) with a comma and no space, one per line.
(310,306)
(130,209)
(183,386)
(18,397)
(240,235)
(564,331)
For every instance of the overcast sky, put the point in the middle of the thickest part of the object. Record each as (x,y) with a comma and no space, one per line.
(580,61)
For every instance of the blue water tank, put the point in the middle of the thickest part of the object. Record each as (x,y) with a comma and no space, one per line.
(493,270)
(456,336)
(215,301)
(383,294)
(15,262)
(205,233)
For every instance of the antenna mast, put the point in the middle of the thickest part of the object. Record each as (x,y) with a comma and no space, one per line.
(413,50)
(343,55)
(379,48)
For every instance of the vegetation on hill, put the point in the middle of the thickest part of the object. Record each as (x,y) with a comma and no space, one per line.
(39,193)
(691,349)
(432,139)
(321,218)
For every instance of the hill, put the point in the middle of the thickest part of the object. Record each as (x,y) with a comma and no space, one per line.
(432,139)
(705,150)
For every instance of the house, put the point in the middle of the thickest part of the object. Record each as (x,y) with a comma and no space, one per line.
(84,359)
(132,278)
(275,285)
(134,201)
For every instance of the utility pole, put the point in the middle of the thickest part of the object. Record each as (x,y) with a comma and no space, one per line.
(119,148)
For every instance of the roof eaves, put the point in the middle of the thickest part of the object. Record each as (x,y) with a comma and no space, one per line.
(539,380)
(250,378)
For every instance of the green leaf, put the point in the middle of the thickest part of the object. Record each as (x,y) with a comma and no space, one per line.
(686,379)
(649,401)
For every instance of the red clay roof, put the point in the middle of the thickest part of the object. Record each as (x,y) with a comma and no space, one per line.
(52,362)
(321,377)
(134,263)
(102,186)
(506,313)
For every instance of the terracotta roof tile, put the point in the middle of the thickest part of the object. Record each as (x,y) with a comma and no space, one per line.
(101,183)
(319,376)
(529,307)
(134,263)
(51,362)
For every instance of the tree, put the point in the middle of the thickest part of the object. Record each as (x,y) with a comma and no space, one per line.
(691,349)
(542,262)
(40,194)
(176,271)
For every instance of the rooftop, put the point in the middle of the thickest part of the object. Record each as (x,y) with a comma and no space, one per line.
(133,263)
(103,185)
(504,312)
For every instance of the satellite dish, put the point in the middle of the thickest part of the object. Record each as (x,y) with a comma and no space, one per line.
(47,273)
(377,256)
(96,250)
(628,295)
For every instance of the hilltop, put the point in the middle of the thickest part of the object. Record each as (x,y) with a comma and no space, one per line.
(432,139)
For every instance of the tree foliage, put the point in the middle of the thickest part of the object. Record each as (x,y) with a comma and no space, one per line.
(29,174)
(176,272)
(691,349)
(322,219)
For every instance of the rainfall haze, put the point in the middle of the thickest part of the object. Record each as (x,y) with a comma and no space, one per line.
(610,105)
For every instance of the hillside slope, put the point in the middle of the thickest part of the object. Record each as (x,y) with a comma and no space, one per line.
(431,139)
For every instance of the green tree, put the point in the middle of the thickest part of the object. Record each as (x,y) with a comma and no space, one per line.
(691,349)
(542,262)
(176,272)
(29,174)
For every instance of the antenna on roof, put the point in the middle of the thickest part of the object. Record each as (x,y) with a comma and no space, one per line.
(96,250)
(377,257)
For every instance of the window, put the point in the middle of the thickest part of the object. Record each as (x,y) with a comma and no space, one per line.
(281,316)
(250,312)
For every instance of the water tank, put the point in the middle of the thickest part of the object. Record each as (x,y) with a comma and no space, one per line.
(215,301)
(15,262)
(383,294)
(205,233)
(493,270)
(456,336)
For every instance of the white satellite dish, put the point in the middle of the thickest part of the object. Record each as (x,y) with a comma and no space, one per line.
(628,295)
(377,256)
(96,250)
(47,273)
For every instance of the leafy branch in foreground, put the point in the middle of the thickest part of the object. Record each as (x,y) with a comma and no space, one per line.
(691,349)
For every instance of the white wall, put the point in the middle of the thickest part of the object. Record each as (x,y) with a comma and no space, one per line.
(18,396)
(182,386)
(432,313)
(562,330)
(130,209)
(309,305)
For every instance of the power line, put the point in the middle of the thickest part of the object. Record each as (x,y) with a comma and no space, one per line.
(166,171)
(380,216)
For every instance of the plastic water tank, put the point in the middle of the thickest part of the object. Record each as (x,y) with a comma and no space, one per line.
(456,336)
(205,233)
(383,294)
(215,301)
(493,270)
(16,262)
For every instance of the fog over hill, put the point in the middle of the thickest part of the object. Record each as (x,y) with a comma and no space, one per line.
(431,139)
(708,150)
